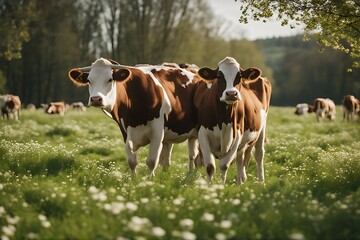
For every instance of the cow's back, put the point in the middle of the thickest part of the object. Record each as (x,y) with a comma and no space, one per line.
(179,85)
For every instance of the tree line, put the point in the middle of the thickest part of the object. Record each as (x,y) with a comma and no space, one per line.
(47,38)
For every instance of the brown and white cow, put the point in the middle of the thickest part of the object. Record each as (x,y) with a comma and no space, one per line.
(79,106)
(351,106)
(323,107)
(151,104)
(55,108)
(10,106)
(301,109)
(232,109)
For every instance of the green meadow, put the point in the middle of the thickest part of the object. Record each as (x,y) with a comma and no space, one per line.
(67,178)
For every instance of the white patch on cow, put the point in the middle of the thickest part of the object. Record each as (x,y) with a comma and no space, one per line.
(166,105)
(209,85)
(230,68)
(189,75)
(220,140)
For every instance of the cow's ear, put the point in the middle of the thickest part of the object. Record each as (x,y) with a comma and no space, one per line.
(78,77)
(251,73)
(207,73)
(121,74)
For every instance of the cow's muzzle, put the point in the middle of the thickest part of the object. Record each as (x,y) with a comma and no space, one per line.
(96,101)
(231,97)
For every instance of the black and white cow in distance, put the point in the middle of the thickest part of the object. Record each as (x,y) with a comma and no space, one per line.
(151,104)
(232,109)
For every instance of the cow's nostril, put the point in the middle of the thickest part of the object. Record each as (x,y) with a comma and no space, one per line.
(231,93)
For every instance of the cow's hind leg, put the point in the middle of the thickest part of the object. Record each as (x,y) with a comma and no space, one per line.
(131,156)
(165,156)
(259,156)
(195,158)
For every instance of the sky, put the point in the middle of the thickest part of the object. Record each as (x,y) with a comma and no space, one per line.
(229,12)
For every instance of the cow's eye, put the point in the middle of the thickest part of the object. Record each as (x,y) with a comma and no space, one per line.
(110,80)
(88,81)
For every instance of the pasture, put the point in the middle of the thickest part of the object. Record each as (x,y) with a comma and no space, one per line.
(67,178)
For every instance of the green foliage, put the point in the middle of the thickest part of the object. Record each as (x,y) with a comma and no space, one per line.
(15,18)
(332,22)
(78,185)
(302,72)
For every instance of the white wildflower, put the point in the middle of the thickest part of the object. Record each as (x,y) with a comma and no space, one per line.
(208,217)
(171,215)
(93,190)
(177,201)
(188,235)
(225,224)
(236,202)
(8,230)
(158,231)
(131,206)
(220,236)
(187,223)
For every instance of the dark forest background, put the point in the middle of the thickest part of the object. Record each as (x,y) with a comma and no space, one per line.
(66,34)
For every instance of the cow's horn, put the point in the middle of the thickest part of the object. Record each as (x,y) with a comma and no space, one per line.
(85,69)
(119,66)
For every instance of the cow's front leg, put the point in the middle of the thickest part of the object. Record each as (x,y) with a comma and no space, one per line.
(156,145)
(208,157)
(165,156)
(131,156)
(241,168)
(226,160)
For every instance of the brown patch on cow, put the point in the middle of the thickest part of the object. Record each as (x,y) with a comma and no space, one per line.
(138,101)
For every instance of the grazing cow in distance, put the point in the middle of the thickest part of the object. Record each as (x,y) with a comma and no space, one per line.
(151,104)
(31,107)
(323,107)
(302,109)
(10,106)
(78,106)
(55,108)
(351,106)
(232,107)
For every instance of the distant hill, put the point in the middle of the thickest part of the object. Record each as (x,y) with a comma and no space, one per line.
(303,71)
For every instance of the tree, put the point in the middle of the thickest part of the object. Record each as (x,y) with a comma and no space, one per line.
(335,23)
(15,16)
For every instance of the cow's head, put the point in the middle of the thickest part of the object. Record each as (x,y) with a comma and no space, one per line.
(229,75)
(101,78)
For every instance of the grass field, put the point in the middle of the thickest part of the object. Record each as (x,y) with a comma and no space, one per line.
(67,178)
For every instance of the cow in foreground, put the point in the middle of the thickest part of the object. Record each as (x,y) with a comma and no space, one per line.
(10,106)
(351,107)
(323,107)
(232,107)
(151,104)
